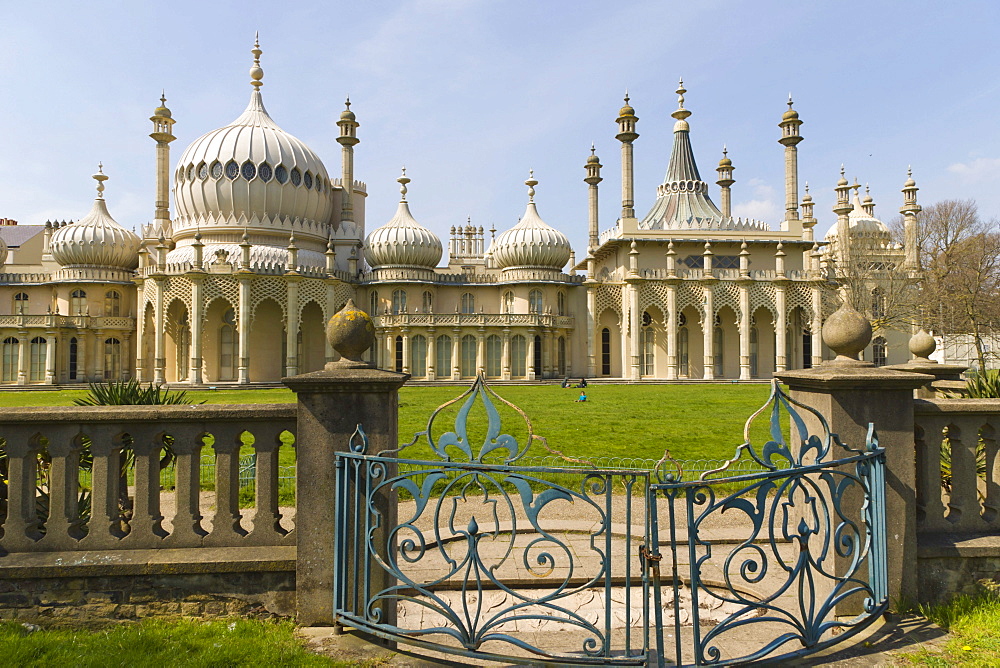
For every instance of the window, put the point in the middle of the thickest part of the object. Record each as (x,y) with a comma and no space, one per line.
(112,359)
(878,304)
(518,353)
(10,358)
(537,361)
(683,366)
(535,301)
(74,356)
(265,172)
(281,174)
(507,305)
(468,356)
(418,356)
(494,355)
(468,303)
(428,302)
(561,303)
(807,347)
(399,301)
(296,176)
(228,350)
(647,347)
(718,343)
(37,369)
(21,303)
(112,303)
(308,180)
(373,303)
(605,352)
(216,170)
(183,347)
(78,303)
(202,171)
(399,354)
(718,261)
(443,362)
(248,170)
(879,351)
(754,351)
(562,355)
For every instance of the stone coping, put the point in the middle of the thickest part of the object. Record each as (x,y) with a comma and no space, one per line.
(176,561)
(832,376)
(183,413)
(951,406)
(933,545)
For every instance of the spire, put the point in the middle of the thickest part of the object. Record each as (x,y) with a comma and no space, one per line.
(681,112)
(100,177)
(256,72)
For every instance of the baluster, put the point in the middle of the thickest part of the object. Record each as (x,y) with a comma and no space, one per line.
(267,528)
(105,529)
(187,531)
(146,525)
(928,444)
(226,528)
(22,527)
(964,502)
(63,530)
(991,506)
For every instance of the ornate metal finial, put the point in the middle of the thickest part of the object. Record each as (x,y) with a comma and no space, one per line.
(100,177)
(163,97)
(347,103)
(593,148)
(725,151)
(789,101)
(403,180)
(256,72)
(626,96)
(807,187)
(531,183)
(856,186)
(681,112)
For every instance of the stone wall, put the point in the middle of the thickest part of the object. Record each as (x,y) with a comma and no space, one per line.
(948,565)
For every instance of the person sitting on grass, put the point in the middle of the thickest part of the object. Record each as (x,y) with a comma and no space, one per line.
(582,397)
(565,382)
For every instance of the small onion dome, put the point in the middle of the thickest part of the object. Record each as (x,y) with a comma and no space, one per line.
(97,240)
(592,159)
(162,110)
(626,110)
(403,242)
(347,114)
(725,162)
(532,242)
(791,114)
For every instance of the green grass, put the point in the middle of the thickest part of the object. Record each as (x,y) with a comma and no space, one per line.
(160,643)
(974,624)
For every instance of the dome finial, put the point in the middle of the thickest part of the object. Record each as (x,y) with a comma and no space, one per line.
(163,96)
(256,72)
(789,101)
(403,180)
(531,183)
(100,177)
(681,112)
(347,103)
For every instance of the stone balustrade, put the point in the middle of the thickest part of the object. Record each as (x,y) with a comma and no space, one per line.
(43,511)
(538,320)
(52,321)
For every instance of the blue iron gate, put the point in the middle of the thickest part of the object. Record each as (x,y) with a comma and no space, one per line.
(471,545)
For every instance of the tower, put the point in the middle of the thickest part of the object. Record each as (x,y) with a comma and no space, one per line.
(626,135)
(725,170)
(593,177)
(910,209)
(348,139)
(162,134)
(843,208)
(790,139)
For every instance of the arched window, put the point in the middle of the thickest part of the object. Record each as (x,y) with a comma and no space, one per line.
(468,303)
(879,350)
(112,303)
(10,358)
(494,355)
(418,356)
(878,304)
(562,355)
(443,362)
(183,347)
(518,351)
(37,351)
(112,359)
(428,301)
(373,303)
(754,351)
(507,306)
(78,303)
(74,356)
(605,352)
(228,351)
(647,347)
(21,303)
(468,356)
(535,301)
(683,366)
(719,343)
(561,303)
(536,363)
(399,354)
(399,301)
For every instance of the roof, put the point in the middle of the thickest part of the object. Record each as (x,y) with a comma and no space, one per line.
(16,235)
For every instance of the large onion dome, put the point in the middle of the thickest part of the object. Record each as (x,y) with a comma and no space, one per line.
(251,173)
(96,240)
(403,242)
(532,243)
(862,222)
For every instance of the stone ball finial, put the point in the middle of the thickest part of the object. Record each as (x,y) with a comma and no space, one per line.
(847,333)
(351,332)
(922,345)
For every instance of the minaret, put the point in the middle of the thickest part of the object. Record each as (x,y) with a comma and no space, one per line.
(725,170)
(808,221)
(593,177)
(626,135)
(868,204)
(348,138)
(843,208)
(162,134)
(910,209)
(790,139)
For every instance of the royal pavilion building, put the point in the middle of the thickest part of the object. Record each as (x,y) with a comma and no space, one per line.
(263,245)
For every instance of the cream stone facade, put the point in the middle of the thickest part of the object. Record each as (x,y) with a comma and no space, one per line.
(264,246)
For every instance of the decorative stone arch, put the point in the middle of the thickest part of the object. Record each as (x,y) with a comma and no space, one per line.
(264,288)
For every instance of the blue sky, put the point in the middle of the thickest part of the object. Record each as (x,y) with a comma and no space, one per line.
(471,94)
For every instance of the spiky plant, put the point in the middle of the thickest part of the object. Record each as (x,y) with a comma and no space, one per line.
(132,393)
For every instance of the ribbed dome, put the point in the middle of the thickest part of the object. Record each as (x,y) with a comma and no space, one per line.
(403,242)
(96,240)
(862,223)
(531,243)
(251,168)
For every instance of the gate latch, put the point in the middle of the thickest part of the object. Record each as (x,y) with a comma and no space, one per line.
(649,557)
